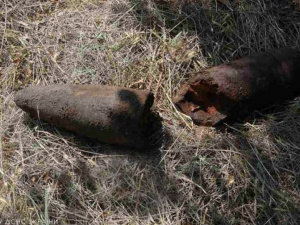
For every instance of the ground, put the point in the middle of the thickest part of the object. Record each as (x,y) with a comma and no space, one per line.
(245,173)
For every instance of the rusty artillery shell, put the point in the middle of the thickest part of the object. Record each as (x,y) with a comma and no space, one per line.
(112,115)
(235,89)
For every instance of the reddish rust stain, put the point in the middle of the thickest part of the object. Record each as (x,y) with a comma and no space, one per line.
(69,112)
(285,67)
(234,89)
(212,110)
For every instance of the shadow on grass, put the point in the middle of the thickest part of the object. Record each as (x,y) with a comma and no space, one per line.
(226,32)
(265,173)
(135,178)
(272,157)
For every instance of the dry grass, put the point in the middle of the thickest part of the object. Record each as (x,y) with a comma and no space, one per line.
(248,174)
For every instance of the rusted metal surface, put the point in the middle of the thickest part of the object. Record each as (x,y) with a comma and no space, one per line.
(235,89)
(110,114)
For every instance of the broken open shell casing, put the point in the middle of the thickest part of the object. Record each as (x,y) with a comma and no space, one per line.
(112,115)
(236,88)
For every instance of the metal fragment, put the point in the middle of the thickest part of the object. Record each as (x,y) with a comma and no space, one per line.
(112,115)
(235,89)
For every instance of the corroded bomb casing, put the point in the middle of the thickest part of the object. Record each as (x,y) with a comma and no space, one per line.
(236,88)
(112,115)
